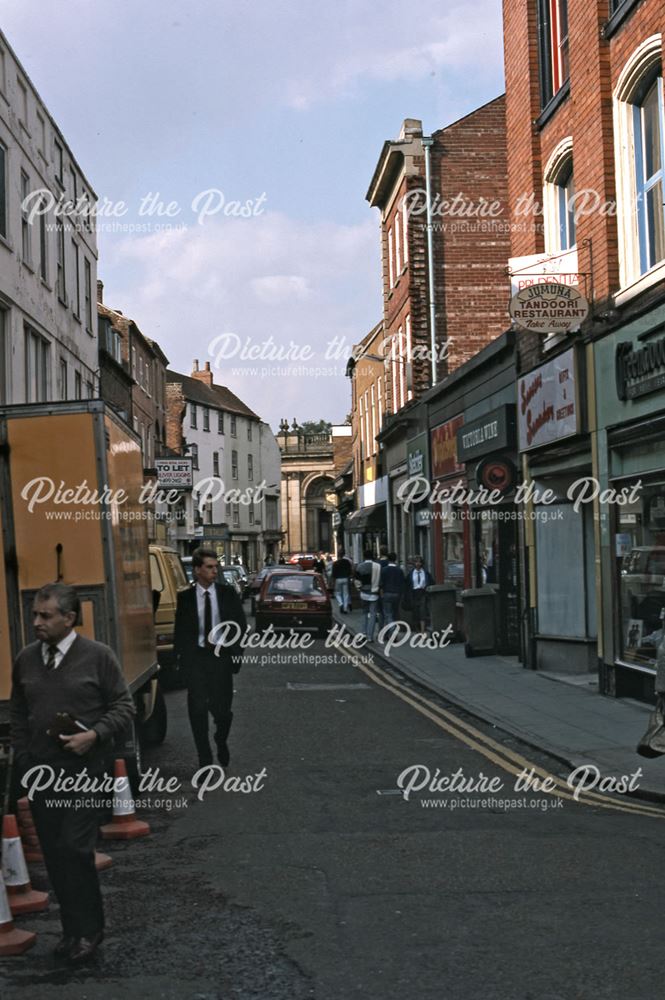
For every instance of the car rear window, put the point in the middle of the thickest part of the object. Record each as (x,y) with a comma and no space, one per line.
(282,584)
(177,569)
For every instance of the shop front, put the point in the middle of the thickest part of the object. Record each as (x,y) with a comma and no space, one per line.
(487,445)
(630,393)
(451,535)
(559,541)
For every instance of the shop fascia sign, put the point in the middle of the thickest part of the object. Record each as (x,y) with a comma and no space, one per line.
(639,370)
(547,407)
(444,448)
(492,432)
(545,293)
(417,457)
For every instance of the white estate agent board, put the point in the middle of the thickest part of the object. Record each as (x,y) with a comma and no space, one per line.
(547,403)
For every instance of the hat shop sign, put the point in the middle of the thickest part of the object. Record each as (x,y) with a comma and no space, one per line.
(549,307)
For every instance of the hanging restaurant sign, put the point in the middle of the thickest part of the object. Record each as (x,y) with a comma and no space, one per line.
(549,308)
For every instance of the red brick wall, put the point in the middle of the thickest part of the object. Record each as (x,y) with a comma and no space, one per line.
(586,115)
(468,159)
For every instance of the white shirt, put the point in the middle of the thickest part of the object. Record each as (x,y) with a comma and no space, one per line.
(200,604)
(62,647)
(418,579)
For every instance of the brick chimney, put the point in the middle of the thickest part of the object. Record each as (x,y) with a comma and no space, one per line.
(100,290)
(204,376)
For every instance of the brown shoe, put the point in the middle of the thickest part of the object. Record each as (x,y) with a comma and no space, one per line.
(84,948)
(64,946)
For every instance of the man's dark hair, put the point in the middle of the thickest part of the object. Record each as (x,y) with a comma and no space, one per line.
(383,551)
(201,554)
(368,554)
(392,557)
(66,598)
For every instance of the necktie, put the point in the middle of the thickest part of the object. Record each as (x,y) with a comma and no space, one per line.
(52,651)
(207,618)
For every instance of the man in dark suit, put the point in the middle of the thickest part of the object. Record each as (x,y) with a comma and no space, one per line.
(209,670)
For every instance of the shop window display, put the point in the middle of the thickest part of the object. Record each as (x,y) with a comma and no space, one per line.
(640,553)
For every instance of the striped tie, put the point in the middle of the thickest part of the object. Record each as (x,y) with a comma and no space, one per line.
(52,652)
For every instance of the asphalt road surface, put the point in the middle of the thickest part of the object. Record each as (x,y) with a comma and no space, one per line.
(326,882)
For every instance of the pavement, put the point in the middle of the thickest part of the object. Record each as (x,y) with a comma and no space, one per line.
(561,714)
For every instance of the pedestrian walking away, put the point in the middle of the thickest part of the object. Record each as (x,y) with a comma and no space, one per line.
(417,582)
(368,573)
(392,588)
(69,699)
(207,668)
(341,578)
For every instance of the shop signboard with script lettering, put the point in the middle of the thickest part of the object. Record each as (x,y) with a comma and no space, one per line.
(547,407)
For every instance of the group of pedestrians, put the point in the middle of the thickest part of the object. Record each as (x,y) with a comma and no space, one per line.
(383,588)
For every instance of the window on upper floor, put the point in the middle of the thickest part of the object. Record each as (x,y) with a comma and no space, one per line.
(78,392)
(59,165)
(559,200)
(215,463)
(26,225)
(220,421)
(3,71)
(41,134)
(234,465)
(398,247)
(37,366)
(76,307)
(87,291)
(553,47)
(43,244)
(194,454)
(22,103)
(250,468)
(639,118)
(4,342)
(249,430)
(206,418)
(236,515)
(391,265)
(61,283)
(234,427)
(62,379)
(3,190)
(193,415)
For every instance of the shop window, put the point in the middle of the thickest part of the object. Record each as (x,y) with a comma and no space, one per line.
(640,554)
(559,200)
(639,118)
(553,44)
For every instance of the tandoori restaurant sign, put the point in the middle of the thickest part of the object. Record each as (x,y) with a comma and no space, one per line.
(549,308)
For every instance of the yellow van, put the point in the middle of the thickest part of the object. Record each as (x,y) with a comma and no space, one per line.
(167,579)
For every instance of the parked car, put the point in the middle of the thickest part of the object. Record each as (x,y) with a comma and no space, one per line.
(168,578)
(257,580)
(228,576)
(294,600)
(239,575)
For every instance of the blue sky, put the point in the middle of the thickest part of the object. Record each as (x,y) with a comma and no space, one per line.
(281,105)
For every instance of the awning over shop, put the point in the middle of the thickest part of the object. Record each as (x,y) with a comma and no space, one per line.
(367,518)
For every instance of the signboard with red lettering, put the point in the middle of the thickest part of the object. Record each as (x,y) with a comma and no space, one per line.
(444,449)
(547,403)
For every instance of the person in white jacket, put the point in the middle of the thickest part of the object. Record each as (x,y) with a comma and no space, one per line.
(369,574)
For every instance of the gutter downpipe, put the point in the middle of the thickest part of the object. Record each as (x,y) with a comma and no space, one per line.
(428,142)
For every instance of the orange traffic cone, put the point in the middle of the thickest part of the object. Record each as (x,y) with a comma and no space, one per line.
(31,847)
(22,897)
(12,942)
(124,825)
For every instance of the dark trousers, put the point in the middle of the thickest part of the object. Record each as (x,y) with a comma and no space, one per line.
(209,692)
(67,830)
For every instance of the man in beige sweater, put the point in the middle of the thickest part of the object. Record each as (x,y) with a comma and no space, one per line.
(63,672)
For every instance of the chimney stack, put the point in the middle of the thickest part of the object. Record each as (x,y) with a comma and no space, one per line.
(204,376)
(100,290)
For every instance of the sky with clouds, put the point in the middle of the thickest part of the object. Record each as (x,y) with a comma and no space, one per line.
(262,121)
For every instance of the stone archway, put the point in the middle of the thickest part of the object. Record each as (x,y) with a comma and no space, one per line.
(318,513)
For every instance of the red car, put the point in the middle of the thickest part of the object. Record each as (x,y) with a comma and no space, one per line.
(304,559)
(297,600)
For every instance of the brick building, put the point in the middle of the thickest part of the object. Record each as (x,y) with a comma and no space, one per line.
(448,291)
(586,150)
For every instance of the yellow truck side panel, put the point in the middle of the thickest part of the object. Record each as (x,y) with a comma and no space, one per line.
(5,638)
(130,545)
(60,448)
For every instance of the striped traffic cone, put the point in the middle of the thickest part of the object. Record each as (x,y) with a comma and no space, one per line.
(31,847)
(22,897)
(12,941)
(124,825)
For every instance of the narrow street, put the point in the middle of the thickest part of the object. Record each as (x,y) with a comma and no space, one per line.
(326,883)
